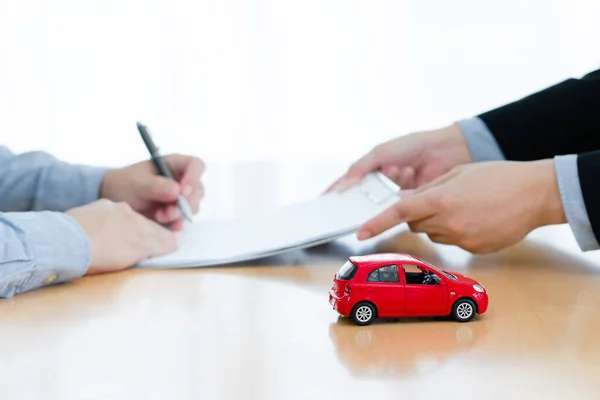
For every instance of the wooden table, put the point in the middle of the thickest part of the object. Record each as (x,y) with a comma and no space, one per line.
(266,330)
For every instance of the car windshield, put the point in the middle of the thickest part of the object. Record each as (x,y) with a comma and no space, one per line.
(433,267)
(347,271)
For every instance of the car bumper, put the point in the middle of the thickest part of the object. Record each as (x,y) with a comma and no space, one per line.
(340,304)
(482,302)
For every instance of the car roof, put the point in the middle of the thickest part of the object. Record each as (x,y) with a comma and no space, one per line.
(383,257)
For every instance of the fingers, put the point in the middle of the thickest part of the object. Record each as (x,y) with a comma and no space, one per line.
(177,225)
(430,226)
(392,172)
(333,185)
(168,214)
(441,239)
(187,170)
(438,181)
(357,171)
(158,239)
(407,178)
(195,196)
(413,208)
(171,215)
(161,189)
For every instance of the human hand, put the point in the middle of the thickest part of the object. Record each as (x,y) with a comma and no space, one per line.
(481,208)
(120,237)
(411,160)
(155,196)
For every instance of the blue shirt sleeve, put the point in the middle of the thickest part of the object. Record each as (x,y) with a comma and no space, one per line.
(483,147)
(40,245)
(37,181)
(39,249)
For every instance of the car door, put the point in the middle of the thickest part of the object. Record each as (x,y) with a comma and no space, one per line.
(386,290)
(424,299)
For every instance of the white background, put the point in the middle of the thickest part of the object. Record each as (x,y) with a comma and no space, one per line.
(271,80)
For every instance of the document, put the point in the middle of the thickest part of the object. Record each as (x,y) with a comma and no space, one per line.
(304,224)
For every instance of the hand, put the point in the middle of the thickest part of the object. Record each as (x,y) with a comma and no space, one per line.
(120,237)
(411,160)
(481,208)
(155,196)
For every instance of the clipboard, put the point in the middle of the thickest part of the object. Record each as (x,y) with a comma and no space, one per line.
(296,226)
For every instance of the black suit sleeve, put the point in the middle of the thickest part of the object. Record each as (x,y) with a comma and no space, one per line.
(561,119)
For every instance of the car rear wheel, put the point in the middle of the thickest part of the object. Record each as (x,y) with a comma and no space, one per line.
(463,310)
(363,314)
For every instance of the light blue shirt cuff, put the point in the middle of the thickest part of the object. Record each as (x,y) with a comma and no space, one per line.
(40,249)
(481,142)
(567,175)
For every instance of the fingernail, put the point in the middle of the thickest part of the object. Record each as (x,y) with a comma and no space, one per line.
(187,190)
(363,235)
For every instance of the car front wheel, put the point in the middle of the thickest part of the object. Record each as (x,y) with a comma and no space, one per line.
(363,314)
(463,310)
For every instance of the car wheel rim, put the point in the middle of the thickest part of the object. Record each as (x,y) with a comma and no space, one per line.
(464,310)
(363,314)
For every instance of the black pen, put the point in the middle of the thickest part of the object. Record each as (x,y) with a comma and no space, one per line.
(163,169)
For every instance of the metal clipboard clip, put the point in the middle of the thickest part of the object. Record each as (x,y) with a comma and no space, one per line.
(378,187)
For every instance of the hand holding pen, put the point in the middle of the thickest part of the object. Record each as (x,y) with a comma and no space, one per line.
(184,173)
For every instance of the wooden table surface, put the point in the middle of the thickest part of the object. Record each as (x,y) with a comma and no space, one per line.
(266,330)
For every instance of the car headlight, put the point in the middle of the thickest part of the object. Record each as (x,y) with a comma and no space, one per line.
(478,288)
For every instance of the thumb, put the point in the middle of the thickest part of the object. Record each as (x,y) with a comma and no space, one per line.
(160,188)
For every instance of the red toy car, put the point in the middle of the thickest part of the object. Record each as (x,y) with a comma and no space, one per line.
(401,285)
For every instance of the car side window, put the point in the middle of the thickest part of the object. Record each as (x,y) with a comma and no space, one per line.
(373,276)
(415,276)
(387,274)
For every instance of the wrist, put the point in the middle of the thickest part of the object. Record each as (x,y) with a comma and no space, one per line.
(452,142)
(547,205)
(106,185)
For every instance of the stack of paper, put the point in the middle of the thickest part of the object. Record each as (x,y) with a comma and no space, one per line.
(214,242)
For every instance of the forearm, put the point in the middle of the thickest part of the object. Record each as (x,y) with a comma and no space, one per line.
(37,181)
(483,147)
(40,249)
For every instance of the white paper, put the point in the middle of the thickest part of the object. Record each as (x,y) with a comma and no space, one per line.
(214,242)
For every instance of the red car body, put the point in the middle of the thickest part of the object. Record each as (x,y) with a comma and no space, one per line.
(401,285)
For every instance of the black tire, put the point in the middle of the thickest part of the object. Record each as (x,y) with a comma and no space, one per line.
(464,310)
(363,313)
